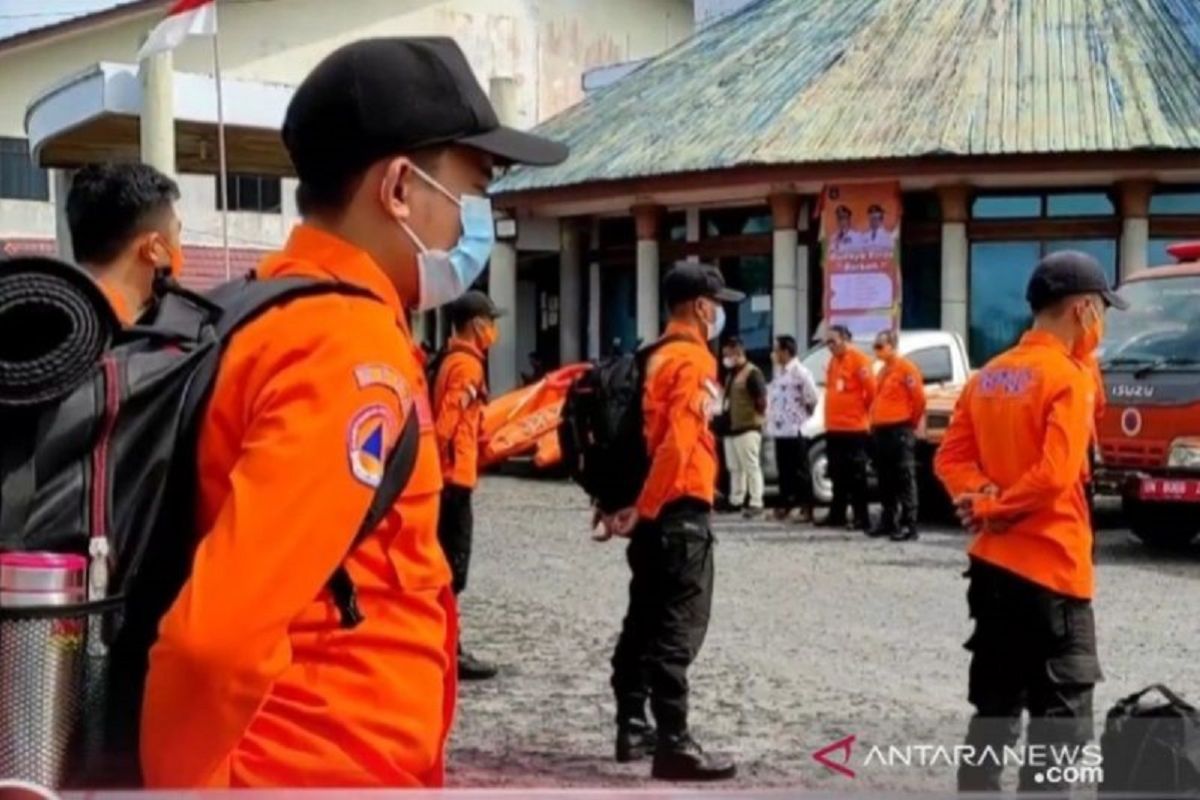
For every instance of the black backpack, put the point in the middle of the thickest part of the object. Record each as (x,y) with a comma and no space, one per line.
(601,432)
(1152,750)
(110,465)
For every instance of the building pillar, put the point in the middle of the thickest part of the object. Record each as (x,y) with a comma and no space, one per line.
(1133,198)
(62,230)
(503,363)
(502,286)
(692,215)
(157,125)
(570,291)
(955,316)
(803,323)
(784,210)
(648,220)
(594,289)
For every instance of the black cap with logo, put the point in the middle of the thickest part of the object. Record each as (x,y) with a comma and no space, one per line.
(688,280)
(1066,273)
(472,305)
(378,97)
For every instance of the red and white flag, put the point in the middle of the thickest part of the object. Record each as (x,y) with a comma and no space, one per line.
(185,18)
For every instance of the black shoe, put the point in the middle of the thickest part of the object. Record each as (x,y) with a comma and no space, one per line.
(636,739)
(681,759)
(908,534)
(831,522)
(751,512)
(471,668)
(880,531)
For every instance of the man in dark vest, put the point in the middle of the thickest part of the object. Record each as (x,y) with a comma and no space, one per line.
(746,408)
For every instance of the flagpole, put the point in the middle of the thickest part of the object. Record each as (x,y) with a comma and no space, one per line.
(223,180)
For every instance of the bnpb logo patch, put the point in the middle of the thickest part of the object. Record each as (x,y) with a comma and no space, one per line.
(371,432)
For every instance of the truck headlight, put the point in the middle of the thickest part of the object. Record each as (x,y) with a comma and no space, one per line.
(1185,454)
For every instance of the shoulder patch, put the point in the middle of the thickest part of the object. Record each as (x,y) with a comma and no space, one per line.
(371,432)
(386,376)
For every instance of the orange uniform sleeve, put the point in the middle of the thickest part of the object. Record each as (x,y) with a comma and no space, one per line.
(297,497)
(956,462)
(459,414)
(1064,454)
(916,390)
(686,405)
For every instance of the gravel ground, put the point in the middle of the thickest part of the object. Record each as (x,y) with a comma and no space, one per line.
(815,635)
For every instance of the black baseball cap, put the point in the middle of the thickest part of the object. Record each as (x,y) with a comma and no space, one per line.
(377,97)
(471,305)
(687,281)
(1067,273)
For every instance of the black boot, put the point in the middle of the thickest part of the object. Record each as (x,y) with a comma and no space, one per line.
(636,739)
(906,534)
(471,668)
(679,758)
(881,530)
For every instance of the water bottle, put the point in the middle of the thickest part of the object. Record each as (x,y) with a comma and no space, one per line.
(41,663)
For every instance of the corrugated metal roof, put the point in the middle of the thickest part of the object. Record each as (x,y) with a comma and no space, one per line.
(805,81)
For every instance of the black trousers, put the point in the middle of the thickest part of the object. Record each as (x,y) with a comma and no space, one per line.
(896,466)
(670,599)
(456,524)
(847,454)
(1033,650)
(795,479)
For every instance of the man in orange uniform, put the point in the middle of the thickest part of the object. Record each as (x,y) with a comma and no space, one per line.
(849,392)
(1013,459)
(459,395)
(255,679)
(896,413)
(124,231)
(670,552)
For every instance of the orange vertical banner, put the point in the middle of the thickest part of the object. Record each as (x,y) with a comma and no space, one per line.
(860,245)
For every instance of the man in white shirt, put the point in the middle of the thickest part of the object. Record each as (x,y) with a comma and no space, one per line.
(846,239)
(876,239)
(791,400)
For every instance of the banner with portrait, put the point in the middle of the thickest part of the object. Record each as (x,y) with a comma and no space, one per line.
(860,246)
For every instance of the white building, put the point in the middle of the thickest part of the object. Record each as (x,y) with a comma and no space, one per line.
(537,49)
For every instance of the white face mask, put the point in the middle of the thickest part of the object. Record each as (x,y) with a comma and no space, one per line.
(717,325)
(443,276)
(729,361)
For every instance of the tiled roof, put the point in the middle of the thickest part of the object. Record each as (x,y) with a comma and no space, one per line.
(808,81)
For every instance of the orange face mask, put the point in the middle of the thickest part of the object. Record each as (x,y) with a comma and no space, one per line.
(1087,342)
(173,261)
(487,334)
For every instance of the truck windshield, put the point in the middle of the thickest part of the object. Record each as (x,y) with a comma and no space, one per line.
(1161,327)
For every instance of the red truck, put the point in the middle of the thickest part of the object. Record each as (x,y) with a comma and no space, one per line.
(1150,434)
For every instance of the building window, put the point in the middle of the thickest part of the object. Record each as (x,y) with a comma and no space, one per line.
(746,221)
(999,274)
(260,193)
(1175,203)
(1048,204)
(1006,206)
(751,319)
(1079,204)
(20,177)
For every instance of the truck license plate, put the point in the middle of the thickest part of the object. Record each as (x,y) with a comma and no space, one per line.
(1169,489)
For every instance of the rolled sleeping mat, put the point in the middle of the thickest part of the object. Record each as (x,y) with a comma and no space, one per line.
(55,323)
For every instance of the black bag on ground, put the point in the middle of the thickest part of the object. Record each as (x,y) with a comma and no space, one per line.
(601,436)
(1152,750)
(104,466)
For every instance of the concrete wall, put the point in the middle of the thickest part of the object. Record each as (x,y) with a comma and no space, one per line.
(544,45)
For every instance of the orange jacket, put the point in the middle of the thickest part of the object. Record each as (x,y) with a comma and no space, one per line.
(252,682)
(680,399)
(116,299)
(459,395)
(901,395)
(849,392)
(1022,425)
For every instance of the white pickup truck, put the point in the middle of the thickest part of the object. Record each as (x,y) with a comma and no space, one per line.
(940,355)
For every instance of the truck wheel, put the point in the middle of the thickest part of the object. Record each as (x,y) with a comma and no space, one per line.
(1166,526)
(818,468)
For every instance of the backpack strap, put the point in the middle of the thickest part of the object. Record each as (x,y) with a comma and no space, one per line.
(1171,697)
(396,474)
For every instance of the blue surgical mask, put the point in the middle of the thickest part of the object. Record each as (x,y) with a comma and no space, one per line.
(718,324)
(443,276)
